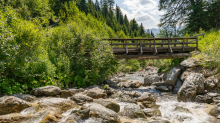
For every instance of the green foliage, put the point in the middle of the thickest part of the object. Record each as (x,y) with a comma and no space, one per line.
(129,65)
(33,55)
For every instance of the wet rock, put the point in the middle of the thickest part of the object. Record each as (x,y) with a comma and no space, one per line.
(14,118)
(191,62)
(212,94)
(46,91)
(204,99)
(193,85)
(210,83)
(26,97)
(162,88)
(149,70)
(148,80)
(132,93)
(181,109)
(215,111)
(160,121)
(147,97)
(96,93)
(178,85)
(130,84)
(149,104)
(70,92)
(77,115)
(111,91)
(111,84)
(184,75)
(58,105)
(152,112)
(127,98)
(159,84)
(11,104)
(132,111)
(109,104)
(99,111)
(172,76)
(81,99)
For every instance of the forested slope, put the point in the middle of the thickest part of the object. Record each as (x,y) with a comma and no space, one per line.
(38,47)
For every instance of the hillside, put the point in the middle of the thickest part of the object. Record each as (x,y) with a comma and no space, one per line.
(37,51)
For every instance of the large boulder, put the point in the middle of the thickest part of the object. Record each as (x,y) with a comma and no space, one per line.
(148,80)
(147,97)
(11,104)
(46,91)
(177,87)
(58,105)
(112,84)
(26,97)
(204,99)
(210,82)
(81,99)
(109,104)
(152,112)
(70,92)
(99,111)
(191,62)
(130,84)
(193,85)
(77,115)
(96,93)
(132,111)
(172,76)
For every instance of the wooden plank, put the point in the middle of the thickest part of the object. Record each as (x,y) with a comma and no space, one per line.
(171,43)
(150,39)
(159,56)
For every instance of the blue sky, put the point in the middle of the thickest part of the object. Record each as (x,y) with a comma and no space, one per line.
(144,11)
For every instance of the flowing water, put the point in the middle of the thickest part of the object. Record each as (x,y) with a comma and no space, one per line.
(171,109)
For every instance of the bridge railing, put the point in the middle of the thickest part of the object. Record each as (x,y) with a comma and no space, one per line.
(155,44)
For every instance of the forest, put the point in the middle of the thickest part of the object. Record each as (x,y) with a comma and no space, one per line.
(44,42)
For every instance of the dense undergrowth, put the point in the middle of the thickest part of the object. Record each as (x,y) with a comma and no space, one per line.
(36,53)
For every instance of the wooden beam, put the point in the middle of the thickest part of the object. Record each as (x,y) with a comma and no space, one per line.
(171,43)
(159,56)
(150,39)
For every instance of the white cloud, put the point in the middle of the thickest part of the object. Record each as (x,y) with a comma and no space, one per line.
(144,11)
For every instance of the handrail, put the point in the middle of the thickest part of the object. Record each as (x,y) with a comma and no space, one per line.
(148,38)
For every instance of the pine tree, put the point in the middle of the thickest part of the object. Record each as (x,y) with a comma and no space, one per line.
(142,32)
(111,3)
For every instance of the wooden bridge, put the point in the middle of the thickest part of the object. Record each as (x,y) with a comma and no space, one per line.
(153,48)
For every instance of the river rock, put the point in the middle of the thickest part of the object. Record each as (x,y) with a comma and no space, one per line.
(172,76)
(215,111)
(193,85)
(70,92)
(130,84)
(77,115)
(111,84)
(152,112)
(132,111)
(147,97)
(148,80)
(96,93)
(210,83)
(46,91)
(190,62)
(11,104)
(162,88)
(58,105)
(204,99)
(178,85)
(26,97)
(159,84)
(97,110)
(81,99)
(14,118)
(109,104)
(149,70)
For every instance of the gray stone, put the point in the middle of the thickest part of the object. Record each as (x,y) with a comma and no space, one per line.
(162,88)
(26,97)
(81,99)
(132,111)
(97,110)
(96,93)
(159,84)
(204,99)
(193,85)
(11,104)
(109,104)
(172,76)
(178,85)
(152,112)
(130,84)
(191,62)
(151,79)
(210,83)
(70,92)
(147,97)
(215,111)
(111,84)
(46,91)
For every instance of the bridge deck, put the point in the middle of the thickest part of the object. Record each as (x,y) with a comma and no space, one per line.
(153,48)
